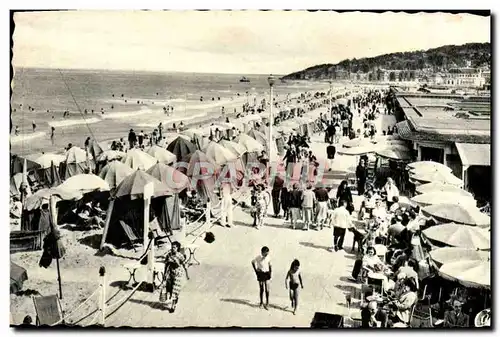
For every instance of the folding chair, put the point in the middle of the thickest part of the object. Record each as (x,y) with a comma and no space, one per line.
(48,310)
(129,232)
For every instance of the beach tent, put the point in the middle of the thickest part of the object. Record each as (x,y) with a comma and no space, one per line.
(128,206)
(110,155)
(181,147)
(77,162)
(36,211)
(49,177)
(15,183)
(47,159)
(114,173)
(17,164)
(201,170)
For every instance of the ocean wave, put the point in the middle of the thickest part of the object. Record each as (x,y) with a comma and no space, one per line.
(70,122)
(26,137)
(173,119)
(127,114)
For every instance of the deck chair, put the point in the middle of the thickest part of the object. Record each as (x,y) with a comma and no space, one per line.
(129,232)
(48,310)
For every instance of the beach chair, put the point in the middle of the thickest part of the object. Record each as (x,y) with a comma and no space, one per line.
(129,232)
(48,310)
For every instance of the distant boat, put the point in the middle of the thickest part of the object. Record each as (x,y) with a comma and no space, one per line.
(244,80)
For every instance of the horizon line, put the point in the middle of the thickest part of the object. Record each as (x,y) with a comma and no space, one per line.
(141,71)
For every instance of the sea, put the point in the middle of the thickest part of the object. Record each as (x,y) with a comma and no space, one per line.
(124,100)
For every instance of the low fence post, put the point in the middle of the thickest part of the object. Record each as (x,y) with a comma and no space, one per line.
(102,300)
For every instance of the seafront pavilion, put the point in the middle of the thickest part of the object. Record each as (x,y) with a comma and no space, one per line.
(452,130)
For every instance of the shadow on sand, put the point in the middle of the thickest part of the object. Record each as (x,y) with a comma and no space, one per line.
(313,245)
(252,305)
(239,301)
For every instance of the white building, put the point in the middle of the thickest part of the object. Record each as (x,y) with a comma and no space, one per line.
(464,77)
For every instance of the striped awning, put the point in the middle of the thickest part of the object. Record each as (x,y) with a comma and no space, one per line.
(474,154)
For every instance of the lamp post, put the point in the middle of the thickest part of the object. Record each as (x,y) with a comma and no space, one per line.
(271,80)
(330,102)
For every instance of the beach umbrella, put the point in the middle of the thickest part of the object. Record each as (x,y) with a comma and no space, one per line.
(174,179)
(468,273)
(358,142)
(219,154)
(458,213)
(395,153)
(446,255)
(162,155)
(197,163)
(440,187)
(114,173)
(75,155)
(137,159)
(109,155)
(436,177)
(17,277)
(234,147)
(181,147)
(133,186)
(426,165)
(85,183)
(17,164)
(461,236)
(46,159)
(41,197)
(433,198)
(250,143)
(258,136)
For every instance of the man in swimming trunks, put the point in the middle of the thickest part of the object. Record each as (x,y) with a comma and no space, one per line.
(262,267)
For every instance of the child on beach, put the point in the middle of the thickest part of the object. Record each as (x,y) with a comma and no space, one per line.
(262,268)
(293,280)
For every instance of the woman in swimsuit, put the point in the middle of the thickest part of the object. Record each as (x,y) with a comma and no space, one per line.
(294,279)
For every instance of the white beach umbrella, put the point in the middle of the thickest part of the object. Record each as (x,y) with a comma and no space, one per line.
(250,144)
(219,154)
(428,165)
(433,198)
(85,183)
(161,154)
(436,176)
(137,159)
(440,187)
(234,147)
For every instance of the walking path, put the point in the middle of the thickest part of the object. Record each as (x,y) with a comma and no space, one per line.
(223,291)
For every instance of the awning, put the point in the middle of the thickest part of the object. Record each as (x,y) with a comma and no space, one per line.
(474,154)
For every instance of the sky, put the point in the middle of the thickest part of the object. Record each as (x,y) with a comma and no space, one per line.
(239,42)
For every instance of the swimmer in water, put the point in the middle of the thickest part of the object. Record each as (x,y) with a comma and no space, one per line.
(16,131)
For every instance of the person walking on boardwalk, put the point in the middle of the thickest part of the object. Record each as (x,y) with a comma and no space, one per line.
(361,174)
(260,206)
(175,269)
(330,154)
(293,280)
(262,268)
(341,221)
